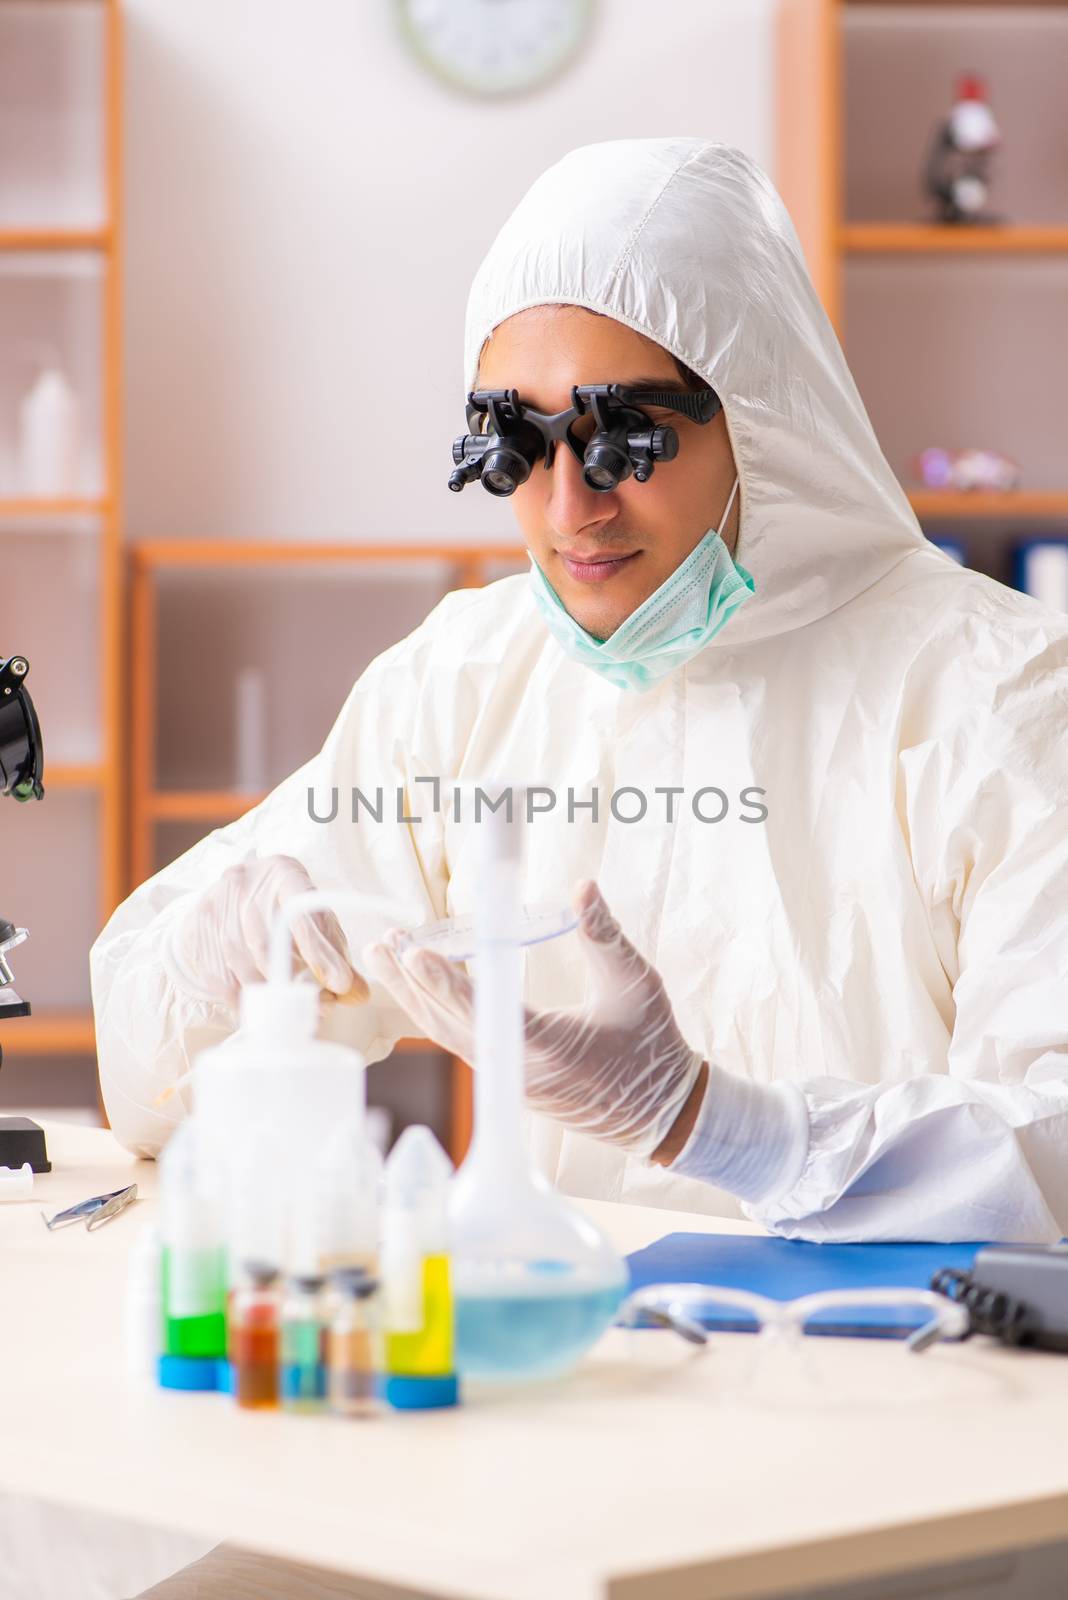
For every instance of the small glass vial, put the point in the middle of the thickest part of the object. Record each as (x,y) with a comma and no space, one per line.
(303,1375)
(352,1345)
(254,1309)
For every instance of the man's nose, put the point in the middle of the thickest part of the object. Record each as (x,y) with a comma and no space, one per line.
(574,507)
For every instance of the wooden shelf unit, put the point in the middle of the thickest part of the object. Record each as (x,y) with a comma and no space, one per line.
(66,1032)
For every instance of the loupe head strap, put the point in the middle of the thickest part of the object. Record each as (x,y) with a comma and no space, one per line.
(700,405)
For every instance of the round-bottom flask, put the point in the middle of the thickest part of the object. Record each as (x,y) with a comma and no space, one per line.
(535,1283)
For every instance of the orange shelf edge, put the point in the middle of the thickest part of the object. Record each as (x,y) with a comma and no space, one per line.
(198,805)
(73,507)
(56,1032)
(49,1033)
(896,238)
(55,239)
(73,775)
(1028,503)
(155,553)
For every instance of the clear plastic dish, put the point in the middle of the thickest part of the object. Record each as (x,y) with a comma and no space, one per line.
(454,937)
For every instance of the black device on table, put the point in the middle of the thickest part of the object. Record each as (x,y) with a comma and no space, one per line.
(1017,1293)
(21,772)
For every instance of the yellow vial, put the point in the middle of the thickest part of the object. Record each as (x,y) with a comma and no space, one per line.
(428,1353)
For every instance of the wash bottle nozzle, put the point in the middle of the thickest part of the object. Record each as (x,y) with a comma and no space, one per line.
(287,1010)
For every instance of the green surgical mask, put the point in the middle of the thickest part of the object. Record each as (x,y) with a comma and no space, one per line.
(667,629)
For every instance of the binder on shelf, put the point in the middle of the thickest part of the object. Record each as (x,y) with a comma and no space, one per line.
(952,548)
(1041,570)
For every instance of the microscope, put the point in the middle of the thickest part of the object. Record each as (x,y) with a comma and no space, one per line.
(957,173)
(21,769)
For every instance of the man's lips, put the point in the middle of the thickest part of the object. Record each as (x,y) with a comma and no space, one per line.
(595,568)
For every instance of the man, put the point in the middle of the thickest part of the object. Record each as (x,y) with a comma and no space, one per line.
(816,771)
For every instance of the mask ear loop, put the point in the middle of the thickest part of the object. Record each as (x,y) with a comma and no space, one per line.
(730,501)
(742,514)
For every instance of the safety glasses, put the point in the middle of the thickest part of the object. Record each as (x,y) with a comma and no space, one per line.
(693,1309)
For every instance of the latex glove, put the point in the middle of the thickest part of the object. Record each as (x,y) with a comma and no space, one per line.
(222,939)
(616,1068)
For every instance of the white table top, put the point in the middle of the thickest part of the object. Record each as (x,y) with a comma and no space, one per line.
(651,1471)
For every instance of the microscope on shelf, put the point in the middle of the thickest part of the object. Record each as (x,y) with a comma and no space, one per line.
(957,173)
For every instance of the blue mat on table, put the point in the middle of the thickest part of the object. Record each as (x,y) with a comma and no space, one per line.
(783,1269)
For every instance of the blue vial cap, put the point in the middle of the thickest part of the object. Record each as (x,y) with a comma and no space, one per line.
(420,1394)
(225,1376)
(188,1372)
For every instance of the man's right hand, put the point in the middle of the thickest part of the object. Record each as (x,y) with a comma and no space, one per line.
(222,939)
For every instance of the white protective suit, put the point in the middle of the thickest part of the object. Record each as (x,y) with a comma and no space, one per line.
(878,972)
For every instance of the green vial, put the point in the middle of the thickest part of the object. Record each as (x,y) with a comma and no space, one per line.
(193,1283)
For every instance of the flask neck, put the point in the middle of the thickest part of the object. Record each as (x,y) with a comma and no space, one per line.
(499,1048)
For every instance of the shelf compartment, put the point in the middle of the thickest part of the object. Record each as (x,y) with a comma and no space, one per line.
(962,360)
(308,638)
(52,309)
(50,613)
(901,66)
(52,114)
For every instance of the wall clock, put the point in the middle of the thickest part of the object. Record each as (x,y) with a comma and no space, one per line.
(495,47)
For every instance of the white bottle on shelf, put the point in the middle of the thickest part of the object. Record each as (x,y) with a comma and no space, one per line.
(250,731)
(49,437)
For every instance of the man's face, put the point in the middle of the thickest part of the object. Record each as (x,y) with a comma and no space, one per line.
(605,554)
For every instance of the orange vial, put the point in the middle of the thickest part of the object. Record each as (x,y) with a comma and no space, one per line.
(254,1337)
(352,1346)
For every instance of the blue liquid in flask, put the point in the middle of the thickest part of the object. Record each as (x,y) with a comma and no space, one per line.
(533,1328)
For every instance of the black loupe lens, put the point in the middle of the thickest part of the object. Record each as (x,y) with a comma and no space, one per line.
(605,466)
(504,470)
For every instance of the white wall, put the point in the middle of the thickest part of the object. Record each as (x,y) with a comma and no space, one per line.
(305,208)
